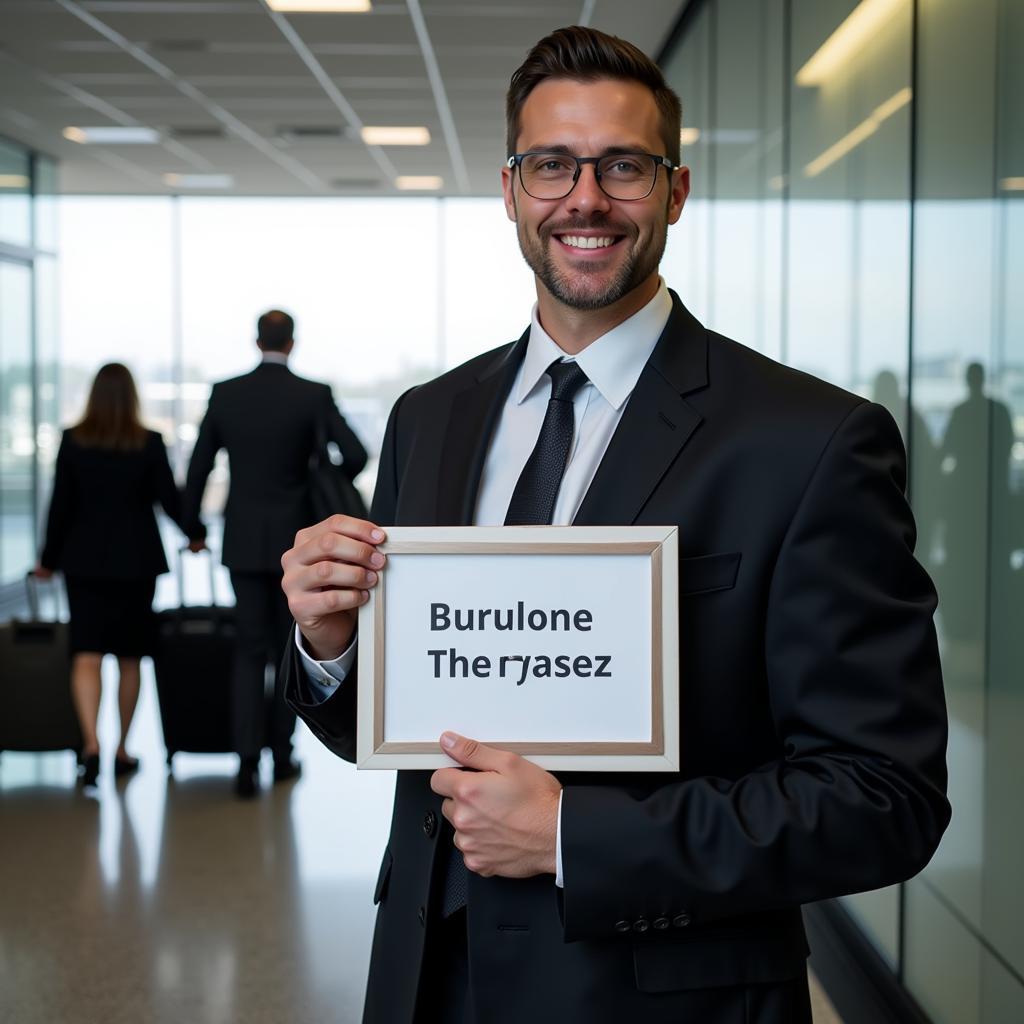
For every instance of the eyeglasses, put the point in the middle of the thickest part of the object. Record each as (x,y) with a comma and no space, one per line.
(624,176)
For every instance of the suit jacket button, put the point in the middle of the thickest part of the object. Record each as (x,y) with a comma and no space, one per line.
(641,924)
(429,824)
(422,915)
(661,923)
(680,920)
(622,926)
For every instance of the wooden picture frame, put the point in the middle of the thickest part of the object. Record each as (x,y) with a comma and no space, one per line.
(638,613)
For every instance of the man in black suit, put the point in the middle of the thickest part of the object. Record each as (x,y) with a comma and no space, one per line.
(268,421)
(812,717)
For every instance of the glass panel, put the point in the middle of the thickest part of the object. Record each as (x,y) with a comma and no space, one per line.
(746,140)
(1002,893)
(361,277)
(685,265)
(849,214)
(952,387)
(45,203)
(942,964)
(15,195)
(47,377)
(17,451)
(116,300)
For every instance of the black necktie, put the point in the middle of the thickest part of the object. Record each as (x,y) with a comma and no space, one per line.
(532,504)
(533,500)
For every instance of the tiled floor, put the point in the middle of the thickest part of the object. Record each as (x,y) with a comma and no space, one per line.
(166,900)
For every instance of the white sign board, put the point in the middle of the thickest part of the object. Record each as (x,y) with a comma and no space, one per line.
(560,643)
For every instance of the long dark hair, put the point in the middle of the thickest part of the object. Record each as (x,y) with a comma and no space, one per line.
(111,417)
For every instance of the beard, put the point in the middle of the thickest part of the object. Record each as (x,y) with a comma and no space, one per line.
(586,287)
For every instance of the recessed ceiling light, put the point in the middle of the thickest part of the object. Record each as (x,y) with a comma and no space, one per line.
(113,135)
(199,180)
(395,135)
(419,182)
(17,181)
(1012,184)
(688,136)
(319,6)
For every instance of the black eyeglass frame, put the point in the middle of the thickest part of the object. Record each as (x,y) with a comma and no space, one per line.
(516,160)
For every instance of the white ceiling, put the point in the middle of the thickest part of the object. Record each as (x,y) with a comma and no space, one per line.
(276,101)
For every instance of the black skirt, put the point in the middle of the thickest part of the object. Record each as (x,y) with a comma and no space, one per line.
(112,616)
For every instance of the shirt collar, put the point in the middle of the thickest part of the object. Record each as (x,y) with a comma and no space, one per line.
(275,357)
(613,363)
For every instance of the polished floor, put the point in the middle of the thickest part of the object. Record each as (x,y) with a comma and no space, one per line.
(163,899)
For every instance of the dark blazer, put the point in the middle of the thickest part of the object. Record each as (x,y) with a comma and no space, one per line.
(267,421)
(101,522)
(813,725)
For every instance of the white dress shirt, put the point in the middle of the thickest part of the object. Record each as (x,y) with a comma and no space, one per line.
(613,364)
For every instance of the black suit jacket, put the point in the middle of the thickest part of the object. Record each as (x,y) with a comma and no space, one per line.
(813,725)
(101,522)
(267,421)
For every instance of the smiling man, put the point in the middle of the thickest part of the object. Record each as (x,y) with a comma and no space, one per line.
(813,725)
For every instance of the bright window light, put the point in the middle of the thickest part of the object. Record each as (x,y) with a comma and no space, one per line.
(688,136)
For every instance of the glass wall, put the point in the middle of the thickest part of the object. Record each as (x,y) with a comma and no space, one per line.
(385,295)
(28,355)
(858,177)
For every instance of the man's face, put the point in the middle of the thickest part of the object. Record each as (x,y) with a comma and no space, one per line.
(593,119)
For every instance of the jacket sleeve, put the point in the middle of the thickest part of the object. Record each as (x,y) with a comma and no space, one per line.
(338,431)
(62,506)
(333,721)
(208,443)
(165,488)
(857,801)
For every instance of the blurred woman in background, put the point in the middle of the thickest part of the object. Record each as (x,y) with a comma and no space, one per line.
(102,534)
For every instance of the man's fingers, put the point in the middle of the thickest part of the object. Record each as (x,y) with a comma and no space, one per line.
(310,607)
(346,526)
(474,754)
(332,574)
(444,781)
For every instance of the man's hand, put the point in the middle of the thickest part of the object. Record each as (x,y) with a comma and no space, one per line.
(195,546)
(505,813)
(42,572)
(328,574)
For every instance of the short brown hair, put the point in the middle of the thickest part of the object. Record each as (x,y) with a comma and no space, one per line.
(587,55)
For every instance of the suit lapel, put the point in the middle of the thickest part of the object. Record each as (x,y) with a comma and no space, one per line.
(471,423)
(656,424)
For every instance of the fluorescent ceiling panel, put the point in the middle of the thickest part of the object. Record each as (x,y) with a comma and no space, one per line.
(112,135)
(395,135)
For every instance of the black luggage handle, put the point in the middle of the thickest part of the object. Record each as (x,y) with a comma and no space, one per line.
(32,583)
(181,576)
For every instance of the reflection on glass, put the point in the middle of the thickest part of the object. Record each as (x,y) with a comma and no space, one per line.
(15,195)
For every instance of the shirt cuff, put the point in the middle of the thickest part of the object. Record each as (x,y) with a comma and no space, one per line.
(326,676)
(559,881)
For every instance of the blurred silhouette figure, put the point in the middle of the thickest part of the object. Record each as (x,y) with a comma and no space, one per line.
(923,454)
(268,421)
(975,461)
(102,533)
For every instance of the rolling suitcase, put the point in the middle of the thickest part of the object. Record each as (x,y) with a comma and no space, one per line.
(36,712)
(194,654)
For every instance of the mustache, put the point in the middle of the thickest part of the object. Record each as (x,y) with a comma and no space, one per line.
(591,224)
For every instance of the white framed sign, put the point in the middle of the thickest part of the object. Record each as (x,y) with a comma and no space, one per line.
(560,643)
